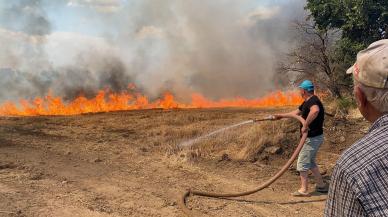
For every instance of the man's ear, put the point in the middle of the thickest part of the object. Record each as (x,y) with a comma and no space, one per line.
(360,96)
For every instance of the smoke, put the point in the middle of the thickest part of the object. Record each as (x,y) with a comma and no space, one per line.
(26,16)
(23,61)
(220,48)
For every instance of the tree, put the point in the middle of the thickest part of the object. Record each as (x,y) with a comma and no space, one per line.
(313,56)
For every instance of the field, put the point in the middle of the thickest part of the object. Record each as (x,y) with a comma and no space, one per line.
(131,163)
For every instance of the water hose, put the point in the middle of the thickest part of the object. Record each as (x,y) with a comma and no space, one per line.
(182,201)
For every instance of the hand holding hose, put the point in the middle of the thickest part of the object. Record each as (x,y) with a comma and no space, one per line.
(305,128)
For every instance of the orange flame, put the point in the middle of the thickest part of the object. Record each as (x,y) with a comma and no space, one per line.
(108,102)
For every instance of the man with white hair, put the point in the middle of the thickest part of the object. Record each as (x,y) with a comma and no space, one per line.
(359,183)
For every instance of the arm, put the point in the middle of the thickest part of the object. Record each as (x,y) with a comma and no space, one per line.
(314,111)
(280,116)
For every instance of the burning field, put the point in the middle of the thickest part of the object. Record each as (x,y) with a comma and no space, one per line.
(131,163)
(106,101)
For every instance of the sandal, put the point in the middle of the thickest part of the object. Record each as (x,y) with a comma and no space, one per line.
(323,189)
(300,194)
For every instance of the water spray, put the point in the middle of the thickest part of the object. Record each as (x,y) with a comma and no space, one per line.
(182,201)
(193,141)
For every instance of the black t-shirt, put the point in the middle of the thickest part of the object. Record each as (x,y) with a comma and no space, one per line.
(316,127)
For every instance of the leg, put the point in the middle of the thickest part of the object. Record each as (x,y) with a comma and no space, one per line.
(303,165)
(303,191)
(318,177)
(321,186)
(303,181)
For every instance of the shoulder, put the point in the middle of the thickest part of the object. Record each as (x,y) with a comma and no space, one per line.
(314,100)
(372,145)
(368,149)
(361,174)
(359,163)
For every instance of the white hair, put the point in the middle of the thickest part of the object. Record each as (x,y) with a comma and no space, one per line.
(378,97)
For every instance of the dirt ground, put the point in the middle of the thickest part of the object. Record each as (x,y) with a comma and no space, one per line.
(128,164)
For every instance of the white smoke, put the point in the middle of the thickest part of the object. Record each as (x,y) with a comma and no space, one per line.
(220,48)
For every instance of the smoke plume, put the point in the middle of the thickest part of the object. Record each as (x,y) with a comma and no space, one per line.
(220,48)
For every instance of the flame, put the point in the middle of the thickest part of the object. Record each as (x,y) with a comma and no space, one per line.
(108,102)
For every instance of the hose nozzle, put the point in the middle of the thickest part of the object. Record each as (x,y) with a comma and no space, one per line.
(271,117)
(268,118)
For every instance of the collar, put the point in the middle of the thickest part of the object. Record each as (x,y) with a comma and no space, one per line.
(380,122)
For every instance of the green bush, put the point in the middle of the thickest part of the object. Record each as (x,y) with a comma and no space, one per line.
(346,103)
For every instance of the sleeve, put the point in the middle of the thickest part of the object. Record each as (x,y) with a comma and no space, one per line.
(342,198)
(314,101)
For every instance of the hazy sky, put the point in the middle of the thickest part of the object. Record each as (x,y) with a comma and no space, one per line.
(84,16)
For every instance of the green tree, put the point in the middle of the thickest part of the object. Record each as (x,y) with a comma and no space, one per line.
(361,22)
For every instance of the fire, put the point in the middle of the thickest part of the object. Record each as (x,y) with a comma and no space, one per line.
(108,102)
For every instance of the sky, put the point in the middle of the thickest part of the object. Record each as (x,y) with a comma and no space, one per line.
(83,16)
(219,48)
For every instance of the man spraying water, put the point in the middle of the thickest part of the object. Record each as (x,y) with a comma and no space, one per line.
(313,112)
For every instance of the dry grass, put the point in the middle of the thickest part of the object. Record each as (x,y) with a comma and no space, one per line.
(247,143)
(164,131)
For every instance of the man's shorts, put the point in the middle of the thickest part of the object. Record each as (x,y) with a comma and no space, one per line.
(307,155)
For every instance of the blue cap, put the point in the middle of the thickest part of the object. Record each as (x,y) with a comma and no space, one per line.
(307,85)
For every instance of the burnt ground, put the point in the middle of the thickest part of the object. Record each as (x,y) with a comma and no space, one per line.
(126,164)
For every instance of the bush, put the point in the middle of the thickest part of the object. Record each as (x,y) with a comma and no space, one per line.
(345,104)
